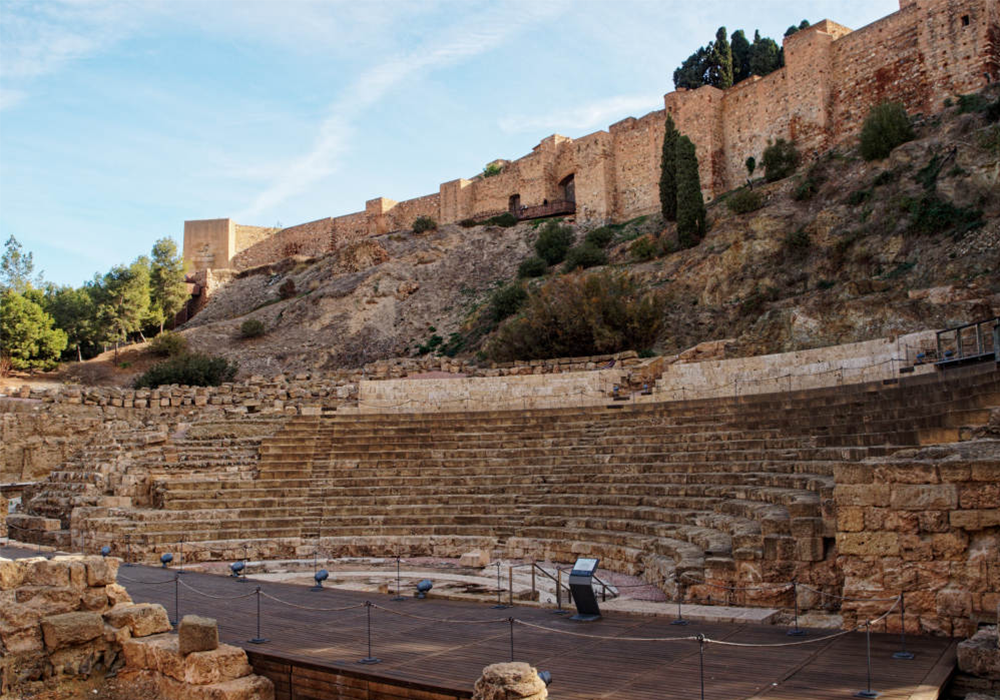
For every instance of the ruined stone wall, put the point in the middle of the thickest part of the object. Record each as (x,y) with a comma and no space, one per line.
(246,236)
(924,523)
(32,442)
(637,147)
(402,214)
(208,243)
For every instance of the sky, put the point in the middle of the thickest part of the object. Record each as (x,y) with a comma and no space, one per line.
(121,119)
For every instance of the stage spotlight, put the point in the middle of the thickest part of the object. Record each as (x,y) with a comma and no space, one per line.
(320,576)
(423,587)
(166,559)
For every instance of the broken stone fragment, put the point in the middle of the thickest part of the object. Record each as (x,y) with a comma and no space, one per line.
(143,619)
(197,633)
(67,629)
(510,681)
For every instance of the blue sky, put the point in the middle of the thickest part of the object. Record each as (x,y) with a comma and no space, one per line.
(121,119)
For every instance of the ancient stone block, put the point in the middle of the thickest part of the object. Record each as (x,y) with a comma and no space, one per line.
(861,494)
(67,629)
(924,497)
(515,680)
(42,572)
(954,602)
(21,640)
(879,544)
(246,688)
(476,559)
(143,619)
(11,574)
(101,571)
(850,519)
(117,594)
(224,663)
(95,599)
(197,634)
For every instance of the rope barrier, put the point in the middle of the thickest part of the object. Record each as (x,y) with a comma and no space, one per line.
(597,636)
(144,583)
(217,597)
(307,607)
(439,619)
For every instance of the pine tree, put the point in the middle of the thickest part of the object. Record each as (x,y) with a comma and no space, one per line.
(16,267)
(690,204)
(721,71)
(741,56)
(73,311)
(668,171)
(29,339)
(167,289)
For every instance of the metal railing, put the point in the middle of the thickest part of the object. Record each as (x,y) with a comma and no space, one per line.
(973,341)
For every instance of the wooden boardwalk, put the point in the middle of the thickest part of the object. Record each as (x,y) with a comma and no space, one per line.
(452,654)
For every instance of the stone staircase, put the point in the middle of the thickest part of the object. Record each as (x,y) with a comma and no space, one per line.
(734,491)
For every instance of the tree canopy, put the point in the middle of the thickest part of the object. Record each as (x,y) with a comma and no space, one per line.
(28,335)
(724,62)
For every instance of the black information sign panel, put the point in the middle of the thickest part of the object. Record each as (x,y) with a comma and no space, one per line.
(581,583)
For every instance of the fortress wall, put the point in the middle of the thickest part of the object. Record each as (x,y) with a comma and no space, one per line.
(208,243)
(455,198)
(878,62)
(312,238)
(637,148)
(247,236)
(350,227)
(595,177)
(956,54)
(403,214)
(698,115)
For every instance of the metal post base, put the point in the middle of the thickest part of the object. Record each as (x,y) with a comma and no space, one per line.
(259,640)
(795,632)
(315,588)
(866,694)
(398,597)
(369,660)
(560,612)
(906,655)
(499,606)
(585,618)
(679,621)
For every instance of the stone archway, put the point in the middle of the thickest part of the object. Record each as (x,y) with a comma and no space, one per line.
(567,188)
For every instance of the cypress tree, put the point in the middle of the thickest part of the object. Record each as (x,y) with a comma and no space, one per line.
(722,61)
(741,56)
(690,205)
(668,172)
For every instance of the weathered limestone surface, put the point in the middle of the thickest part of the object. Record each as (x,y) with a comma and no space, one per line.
(515,680)
(142,619)
(197,634)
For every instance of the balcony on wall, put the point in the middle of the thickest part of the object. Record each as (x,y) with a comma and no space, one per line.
(553,208)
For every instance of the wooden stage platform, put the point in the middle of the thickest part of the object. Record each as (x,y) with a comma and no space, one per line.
(602,662)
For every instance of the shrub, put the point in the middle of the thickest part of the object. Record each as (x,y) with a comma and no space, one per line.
(287,289)
(507,301)
(933,215)
(468,223)
(600,237)
(780,160)
(168,344)
(532,267)
(432,342)
(583,256)
(807,189)
(972,103)
(885,177)
(505,220)
(492,169)
(859,197)
(582,314)
(643,248)
(424,224)
(797,242)
(252,328)
(826,284)
(745,200)
(553,242)
(886,126)
(191,369)
(751,165)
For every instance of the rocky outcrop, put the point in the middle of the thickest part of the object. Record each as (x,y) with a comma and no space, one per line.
(510,681)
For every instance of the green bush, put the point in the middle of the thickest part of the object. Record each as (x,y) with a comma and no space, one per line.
(745,200)
(807,189)
(972,103)
(583,256)
(643,248)
(886,126)
(432,342)
(600,237)
(507,301)
(252,328)
(532,267)
(424,224)
(168,344)
(781,158)
(492,169)
(933,215)
(505,220)
(859,197)
(582,314)
(797,242)
(287,289)
(553,242)
(885,177)
(468,223)
(191,369)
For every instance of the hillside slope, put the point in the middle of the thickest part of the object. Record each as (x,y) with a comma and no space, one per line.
(893,246)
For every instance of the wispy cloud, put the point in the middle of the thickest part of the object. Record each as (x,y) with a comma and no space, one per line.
(593,115)
(478,34)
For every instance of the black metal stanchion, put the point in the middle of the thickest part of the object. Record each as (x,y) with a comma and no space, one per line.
(559,608)
(701,663)
(258,639)
(868,692)
(499,605)
(177,601)
(369,659)
(680,616)
(398,596)
(180,553)
(511,621)
(902,653)
(795,631)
